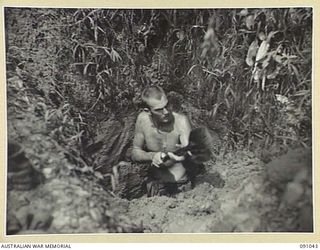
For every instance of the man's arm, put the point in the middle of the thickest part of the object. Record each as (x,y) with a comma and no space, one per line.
(184,130)
(138,154)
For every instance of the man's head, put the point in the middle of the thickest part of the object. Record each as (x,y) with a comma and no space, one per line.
(157,102)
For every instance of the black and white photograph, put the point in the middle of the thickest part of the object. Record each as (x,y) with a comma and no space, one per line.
(159,120)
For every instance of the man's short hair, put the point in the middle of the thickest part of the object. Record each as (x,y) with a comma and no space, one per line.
(155,92)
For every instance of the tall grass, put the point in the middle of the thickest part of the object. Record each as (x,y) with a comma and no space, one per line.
(248,71)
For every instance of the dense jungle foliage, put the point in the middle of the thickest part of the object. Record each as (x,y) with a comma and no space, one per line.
(248,71)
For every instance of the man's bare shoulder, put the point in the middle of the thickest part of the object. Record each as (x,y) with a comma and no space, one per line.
(142,120)
(143,116)
(180,118)
(182,122)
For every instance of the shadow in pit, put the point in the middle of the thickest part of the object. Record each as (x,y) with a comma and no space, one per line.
(214,179)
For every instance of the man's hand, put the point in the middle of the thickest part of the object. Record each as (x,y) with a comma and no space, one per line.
(176,157)
(166,159)
(157,159)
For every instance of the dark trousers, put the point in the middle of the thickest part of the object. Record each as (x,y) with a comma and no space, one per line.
(156,185)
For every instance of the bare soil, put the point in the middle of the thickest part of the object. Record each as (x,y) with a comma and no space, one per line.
(233,196)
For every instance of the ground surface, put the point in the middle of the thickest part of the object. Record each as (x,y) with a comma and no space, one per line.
(233,196)
(214,205)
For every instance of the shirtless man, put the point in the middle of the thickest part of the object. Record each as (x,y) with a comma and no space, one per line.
(159,132)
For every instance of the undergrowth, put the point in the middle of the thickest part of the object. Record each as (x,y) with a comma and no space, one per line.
(245,72)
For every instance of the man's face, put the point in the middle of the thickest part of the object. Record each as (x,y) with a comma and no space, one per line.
(162,114)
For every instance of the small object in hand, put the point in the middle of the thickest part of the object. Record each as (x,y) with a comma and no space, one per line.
(199,148)
(162,156)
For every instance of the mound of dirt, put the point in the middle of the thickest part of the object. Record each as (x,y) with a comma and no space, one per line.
(204,208)
(67,205)
(238,193)
(234,196)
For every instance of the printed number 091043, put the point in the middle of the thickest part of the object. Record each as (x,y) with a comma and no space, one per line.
(305,245)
